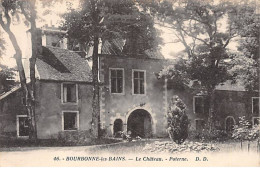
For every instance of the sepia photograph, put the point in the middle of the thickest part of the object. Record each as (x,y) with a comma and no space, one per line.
(129,83)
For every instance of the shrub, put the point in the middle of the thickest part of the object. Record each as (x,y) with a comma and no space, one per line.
(207,135)
(177,120)
(242,131)
(75,137)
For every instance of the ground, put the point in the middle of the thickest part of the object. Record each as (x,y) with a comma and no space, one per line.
(129,154)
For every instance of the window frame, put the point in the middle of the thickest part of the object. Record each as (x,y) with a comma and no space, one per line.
(138,70)
(62,119)
(255,117)
(110,84)
(62,94)
(196,123)
(253,104)
(17,126)
(194,111)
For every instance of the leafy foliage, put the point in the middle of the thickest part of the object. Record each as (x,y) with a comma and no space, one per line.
(115,19)
(177,120)
(197,26)
(171,147)
(176,74)
(208,135)
(2,47)
(243,131)
(247,24)
(6,78)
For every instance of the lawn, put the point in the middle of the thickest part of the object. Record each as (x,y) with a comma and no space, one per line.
(229,154)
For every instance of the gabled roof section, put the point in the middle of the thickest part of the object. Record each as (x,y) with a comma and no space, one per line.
(4,95)
(115,47)
(62,65)
(238,86)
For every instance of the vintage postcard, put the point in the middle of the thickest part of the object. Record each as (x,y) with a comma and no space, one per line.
(129,83)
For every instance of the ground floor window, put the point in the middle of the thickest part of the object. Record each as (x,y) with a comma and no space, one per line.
(200,124)
(118,127)
(70,120)
(256,120)
(22,125)
(255,105)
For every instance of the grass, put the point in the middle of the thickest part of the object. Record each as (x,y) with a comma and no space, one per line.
(113,146)
(136,147)
(7,142)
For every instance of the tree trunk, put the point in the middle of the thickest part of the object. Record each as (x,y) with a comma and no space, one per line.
(33,129)
(211,115)
(19,63)
(96,107)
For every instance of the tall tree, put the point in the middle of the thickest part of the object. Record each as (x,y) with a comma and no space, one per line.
(2,47)
(8,9)
(106,20)
(198,27)
(246,64)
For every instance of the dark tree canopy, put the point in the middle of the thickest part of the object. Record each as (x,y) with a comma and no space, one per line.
(116,20)
(246,64)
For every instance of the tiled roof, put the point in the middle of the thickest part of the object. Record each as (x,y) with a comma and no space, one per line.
(4,95)
(115,47)
(238,86)
(62,65)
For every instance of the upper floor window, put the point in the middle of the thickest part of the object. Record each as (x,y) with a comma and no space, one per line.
(139,82)
(69,93)
(116,80)
(255,105)
(198,104)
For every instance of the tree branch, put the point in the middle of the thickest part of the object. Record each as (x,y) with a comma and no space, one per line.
(194,36)
(24,12)
(8,18)
(4,26)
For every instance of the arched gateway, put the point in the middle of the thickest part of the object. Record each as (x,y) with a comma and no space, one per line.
(140,123)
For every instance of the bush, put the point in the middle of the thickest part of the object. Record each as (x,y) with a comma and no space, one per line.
(242,131)
(75,137)
(207,135)
(177,120)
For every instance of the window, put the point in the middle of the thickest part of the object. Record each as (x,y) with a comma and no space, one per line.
(229,124)
(256,120)
(200,124)
(117,80)
(69,93)
(22,126)
(138,82)
(70,120)
(198,104)
(118,127)
(255,105)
